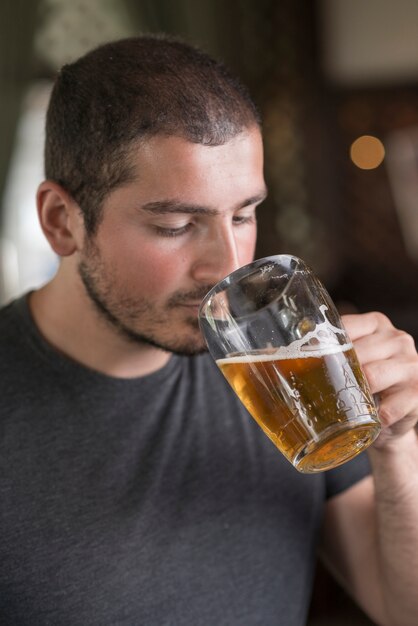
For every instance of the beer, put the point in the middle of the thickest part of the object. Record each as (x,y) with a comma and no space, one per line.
(315,406)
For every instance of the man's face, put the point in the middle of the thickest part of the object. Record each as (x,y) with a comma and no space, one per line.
(186,221)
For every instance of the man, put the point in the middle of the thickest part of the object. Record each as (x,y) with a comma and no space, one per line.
(134,487)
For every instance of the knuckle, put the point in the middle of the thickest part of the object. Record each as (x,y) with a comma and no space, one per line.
(380,319)
(405,340)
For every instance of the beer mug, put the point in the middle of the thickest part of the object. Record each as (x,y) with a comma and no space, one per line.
(278,339)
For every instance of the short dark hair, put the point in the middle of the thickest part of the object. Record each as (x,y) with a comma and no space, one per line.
(124,91)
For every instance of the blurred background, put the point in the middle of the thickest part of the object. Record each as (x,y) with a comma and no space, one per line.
(337,85)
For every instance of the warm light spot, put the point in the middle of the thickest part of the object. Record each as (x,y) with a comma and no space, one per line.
(367,152)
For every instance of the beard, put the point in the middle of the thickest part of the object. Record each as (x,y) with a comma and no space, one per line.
(134,318)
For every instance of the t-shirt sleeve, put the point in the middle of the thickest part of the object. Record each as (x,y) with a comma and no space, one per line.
(346,475)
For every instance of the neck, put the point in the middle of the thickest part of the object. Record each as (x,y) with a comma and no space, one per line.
(69,321)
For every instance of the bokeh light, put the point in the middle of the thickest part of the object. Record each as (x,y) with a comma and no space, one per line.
(367,152)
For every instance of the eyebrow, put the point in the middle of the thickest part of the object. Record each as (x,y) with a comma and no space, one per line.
(162,207)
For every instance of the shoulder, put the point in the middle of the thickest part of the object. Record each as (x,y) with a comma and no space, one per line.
(11,323)
(8,311)
(16,344)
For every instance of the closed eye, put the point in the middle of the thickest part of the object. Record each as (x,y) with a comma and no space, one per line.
(244,218)
(169,231)
(239,220)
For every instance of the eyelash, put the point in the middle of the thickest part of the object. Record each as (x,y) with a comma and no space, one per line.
(173,232)
(177,232)
(245,219)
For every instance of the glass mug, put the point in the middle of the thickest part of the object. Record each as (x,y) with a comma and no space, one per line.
(277,337)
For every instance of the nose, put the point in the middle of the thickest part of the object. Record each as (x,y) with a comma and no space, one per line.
(217,254)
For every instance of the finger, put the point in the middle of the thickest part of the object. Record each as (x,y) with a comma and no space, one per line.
(384,344)
(384,374)
(360,325)
(398,410)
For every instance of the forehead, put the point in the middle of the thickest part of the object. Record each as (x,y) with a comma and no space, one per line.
(177,167)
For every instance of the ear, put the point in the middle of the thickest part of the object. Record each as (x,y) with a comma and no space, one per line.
(60,218)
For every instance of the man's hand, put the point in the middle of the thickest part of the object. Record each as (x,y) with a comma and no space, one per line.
(390,361)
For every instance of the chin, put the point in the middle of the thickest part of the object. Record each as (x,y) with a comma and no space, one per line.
(184,340)
(189,346)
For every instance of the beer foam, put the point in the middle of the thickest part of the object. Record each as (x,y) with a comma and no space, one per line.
(283,353)
(319,342)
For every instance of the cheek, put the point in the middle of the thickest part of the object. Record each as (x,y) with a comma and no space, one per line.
(139,265)
(155,272)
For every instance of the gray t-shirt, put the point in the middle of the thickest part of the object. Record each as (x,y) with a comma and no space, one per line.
(149,501)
